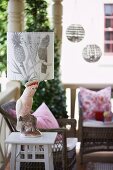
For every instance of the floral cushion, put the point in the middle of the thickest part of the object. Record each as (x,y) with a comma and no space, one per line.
(92,102)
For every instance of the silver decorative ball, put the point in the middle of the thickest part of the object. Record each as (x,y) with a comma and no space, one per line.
(92,53)
(75,33)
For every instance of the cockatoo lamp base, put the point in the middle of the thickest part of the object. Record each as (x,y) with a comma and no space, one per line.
(26,122)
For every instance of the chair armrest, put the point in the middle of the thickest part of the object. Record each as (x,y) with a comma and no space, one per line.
(11,122)
(70,125)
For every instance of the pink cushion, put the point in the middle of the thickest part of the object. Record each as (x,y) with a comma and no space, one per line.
(45,118)
(12,112)
(92,101)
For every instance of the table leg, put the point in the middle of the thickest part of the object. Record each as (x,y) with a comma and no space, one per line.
(48,158)
(18,150)
(13,157)
(51,158)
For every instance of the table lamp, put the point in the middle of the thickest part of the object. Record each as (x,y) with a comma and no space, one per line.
(30,59)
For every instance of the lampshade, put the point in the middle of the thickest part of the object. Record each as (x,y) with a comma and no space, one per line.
(30,56)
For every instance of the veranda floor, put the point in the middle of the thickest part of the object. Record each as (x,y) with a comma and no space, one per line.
(96,157)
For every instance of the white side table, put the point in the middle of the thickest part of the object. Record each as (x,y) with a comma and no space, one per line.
(25,149)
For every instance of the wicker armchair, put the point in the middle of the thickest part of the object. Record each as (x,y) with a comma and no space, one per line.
(64,149)
(94,137)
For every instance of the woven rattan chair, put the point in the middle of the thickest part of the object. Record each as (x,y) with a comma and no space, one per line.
(64,149)
(94,137)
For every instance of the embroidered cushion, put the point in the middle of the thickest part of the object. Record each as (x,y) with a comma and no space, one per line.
(94,101)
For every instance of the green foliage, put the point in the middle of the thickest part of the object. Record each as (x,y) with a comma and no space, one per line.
(3,33)
(51,92)
(36,15)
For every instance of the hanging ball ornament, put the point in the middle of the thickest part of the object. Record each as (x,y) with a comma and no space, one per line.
(75,33)
(92,53)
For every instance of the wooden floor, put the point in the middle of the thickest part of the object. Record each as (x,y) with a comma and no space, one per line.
(95,157)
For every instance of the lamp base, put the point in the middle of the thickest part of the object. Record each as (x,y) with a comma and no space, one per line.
(32,134)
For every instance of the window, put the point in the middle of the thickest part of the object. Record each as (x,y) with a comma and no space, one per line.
(108,29)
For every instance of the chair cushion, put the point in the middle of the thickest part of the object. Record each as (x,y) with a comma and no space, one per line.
(71,144)
(94,123)
(45,118)
(94,101)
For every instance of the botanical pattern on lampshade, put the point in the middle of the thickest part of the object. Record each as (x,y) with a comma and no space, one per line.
(30,55)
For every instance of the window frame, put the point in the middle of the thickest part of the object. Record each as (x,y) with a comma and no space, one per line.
(108,30)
